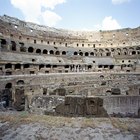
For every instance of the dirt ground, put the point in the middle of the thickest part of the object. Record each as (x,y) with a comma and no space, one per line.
(24,126)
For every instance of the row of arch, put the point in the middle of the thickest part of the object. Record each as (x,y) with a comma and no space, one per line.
(95,52)
(18,66)
(19,83)
(43,68)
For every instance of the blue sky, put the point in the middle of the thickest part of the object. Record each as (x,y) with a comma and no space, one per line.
(76,14)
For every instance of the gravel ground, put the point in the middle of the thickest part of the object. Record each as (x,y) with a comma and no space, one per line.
(24,126)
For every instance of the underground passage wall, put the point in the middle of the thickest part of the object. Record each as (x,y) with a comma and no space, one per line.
(122,104)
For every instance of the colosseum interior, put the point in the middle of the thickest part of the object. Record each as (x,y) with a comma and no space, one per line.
(46,70)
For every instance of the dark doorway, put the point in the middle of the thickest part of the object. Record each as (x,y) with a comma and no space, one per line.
(13,47)
(7,95)
(19,103)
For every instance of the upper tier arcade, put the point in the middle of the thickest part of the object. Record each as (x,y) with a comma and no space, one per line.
(28,48)
(39,34)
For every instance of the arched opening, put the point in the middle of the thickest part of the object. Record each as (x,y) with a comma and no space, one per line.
(101,50)
(3,42)
(130,65)
(75,53)
(26,66)
(38,51)
(8,66)
(111,66)
(7,94)
(8,86)
(13,47)
(95,50)
(103,83)
(81,53)
(133,52)
(89,66)
(41,66)
(108,92)
(23,49)
(20,82)
(45,51)
(100,66)
(34,41)
(63,53)
(18,66)
(105,66)
(86,54)
(119,51)
(92,53)
(112,50)
(108,54)
(44,91)
(67,66)
(101,76)
(57,53)
(54,66)
(30,49)
(48,66)
(51,52)
(115,91)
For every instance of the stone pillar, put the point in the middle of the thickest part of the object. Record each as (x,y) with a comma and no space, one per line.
(22,67)
(85,67)
(75,68)
(8,45)
(78,68)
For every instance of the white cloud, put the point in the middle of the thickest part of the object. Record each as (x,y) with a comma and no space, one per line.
(119,1)
(32,12)
(51,3)
(109,23)
(50,18)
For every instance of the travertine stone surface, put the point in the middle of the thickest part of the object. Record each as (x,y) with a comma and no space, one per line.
(39,63)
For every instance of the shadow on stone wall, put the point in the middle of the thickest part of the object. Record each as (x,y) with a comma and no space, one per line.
(82,106)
